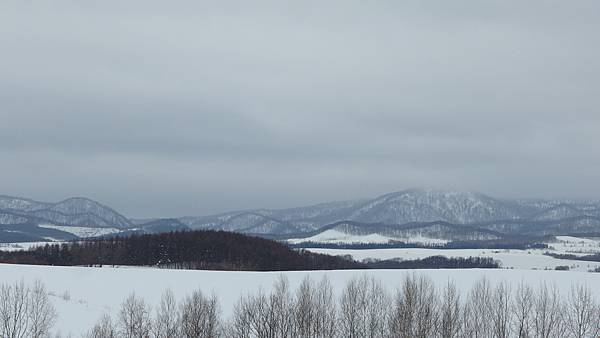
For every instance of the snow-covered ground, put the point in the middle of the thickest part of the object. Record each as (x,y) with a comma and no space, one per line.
(332,236)
(335,236)
(94,291)
(575,245)
(510,259)
(23,245)
(82,232)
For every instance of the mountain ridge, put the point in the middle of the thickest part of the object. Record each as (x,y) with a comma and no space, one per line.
(411,205)
(397,209)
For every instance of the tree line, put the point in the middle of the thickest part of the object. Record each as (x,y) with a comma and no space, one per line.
(437,262)
(363,309)
(524,243)
(200,250)
(213,250)
(585,258)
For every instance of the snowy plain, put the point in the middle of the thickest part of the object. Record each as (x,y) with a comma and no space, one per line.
(82,232)
(510,259)
(81,294)
(95,291)
(24,245)
(332,236)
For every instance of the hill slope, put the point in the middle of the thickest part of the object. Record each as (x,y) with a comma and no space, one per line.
(397,210)
(409,206)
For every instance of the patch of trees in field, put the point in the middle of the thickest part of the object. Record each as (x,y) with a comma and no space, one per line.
(213,250)
(585,258)
(206,250)
(437,262)
(501,244)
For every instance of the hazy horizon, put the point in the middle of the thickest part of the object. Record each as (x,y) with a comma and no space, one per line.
(305,204)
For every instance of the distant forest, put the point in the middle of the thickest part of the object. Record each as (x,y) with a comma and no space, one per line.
(438,262)
(205,250)
(212,250)
(524,243)
(585,258)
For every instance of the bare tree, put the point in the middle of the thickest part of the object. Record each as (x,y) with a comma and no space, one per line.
(14,310)
(378,309)
(103,329)
(268,316)
(450,312)
(42,314)
(522,307)
(547,313)
(476,314)
(597,320)
(253,317)
(405,310)
(325,313)
(351,303)
(499,307)
(415,308)
(580,312)
(199,316)
(364,308)
(134,318)
(165,321)
(427,307)
(242,324)
(281,308)
(305,309)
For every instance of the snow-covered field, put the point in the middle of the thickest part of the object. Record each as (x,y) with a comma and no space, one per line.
(94,291)
(23,245)
(575,245)
(510,259)
(82,232)
(332,236)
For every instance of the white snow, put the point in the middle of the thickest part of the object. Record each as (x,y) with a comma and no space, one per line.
(82,232)
(575,245)
(333,236)
(23,245)
(571,239)
(94,291)
(510,259)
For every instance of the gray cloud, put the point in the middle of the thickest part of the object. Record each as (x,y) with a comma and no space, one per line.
(192,108)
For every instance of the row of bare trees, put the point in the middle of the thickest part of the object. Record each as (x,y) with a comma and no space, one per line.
(25,311)
(363,308)
(196,316)
(366,309)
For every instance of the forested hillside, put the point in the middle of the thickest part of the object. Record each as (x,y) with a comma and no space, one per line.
(208,250)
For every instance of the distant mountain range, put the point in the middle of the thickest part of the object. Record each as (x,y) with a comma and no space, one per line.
(26,220)
(448,215)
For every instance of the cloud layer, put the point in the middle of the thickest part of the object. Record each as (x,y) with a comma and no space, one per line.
(164,109)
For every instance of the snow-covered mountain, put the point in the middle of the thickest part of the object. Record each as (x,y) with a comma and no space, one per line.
(438,209)
(427,233)
(77,211)
(26,220)
(414,205)
(434,205)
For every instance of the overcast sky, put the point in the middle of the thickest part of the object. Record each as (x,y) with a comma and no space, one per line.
(190,108)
